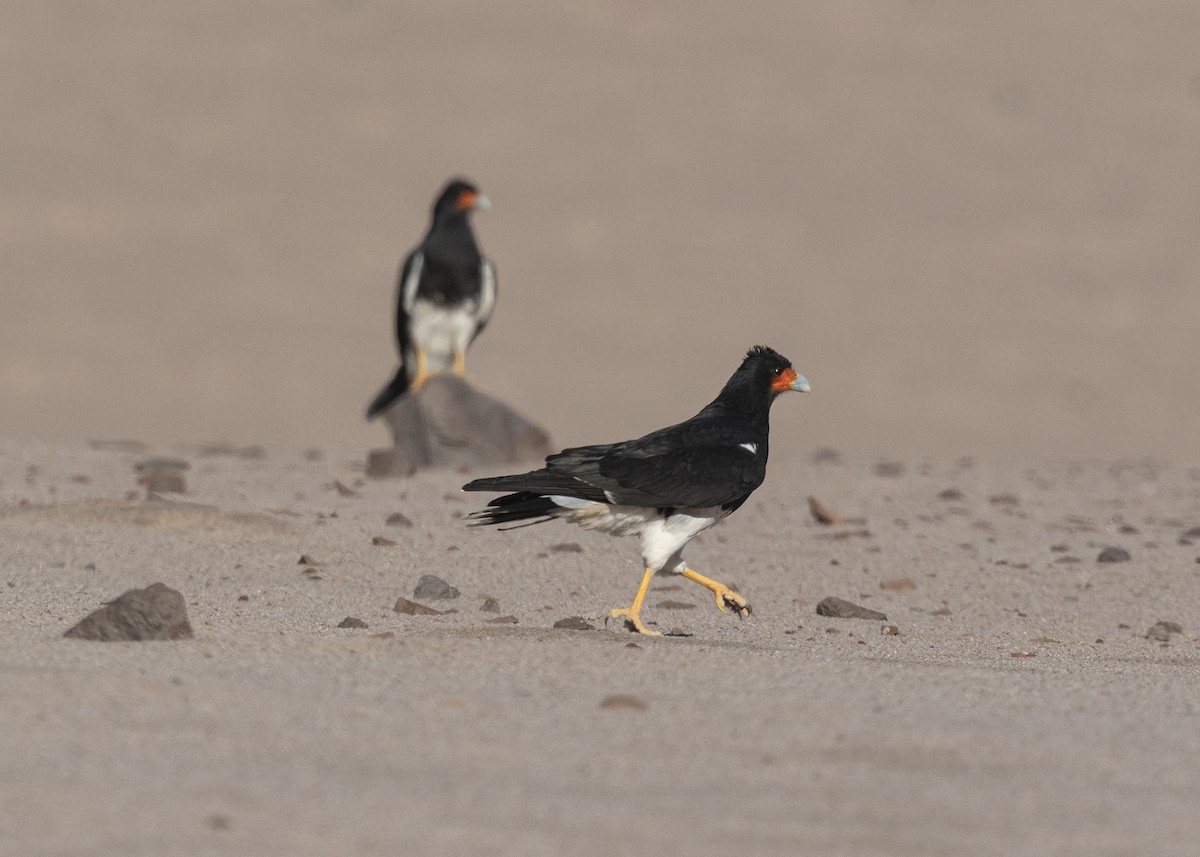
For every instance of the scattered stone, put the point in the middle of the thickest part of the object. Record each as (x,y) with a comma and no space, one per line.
(313,455)
(889,469)
(675,605)
(343,490)
(383,542)
(1162,630)
(352,622)
(624,700)
(412,608)
(1193,533)
(305,559)
(898,584)
(567,547)
(448,423)
(383,635)
(1022,654)
(219,821)
(1003,500)
(434,588)
(157,612)
(490,605)
(1067,559)
(950,494)
(839,608)
(941,611)
(398,519)
(889,630)
(1059,548)
(1114,554)
(243,598)
(827,455)
(162,475)
(503,620)
(574,623)
(822,513)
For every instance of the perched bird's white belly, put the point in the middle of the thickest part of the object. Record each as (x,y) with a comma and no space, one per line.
(441,331)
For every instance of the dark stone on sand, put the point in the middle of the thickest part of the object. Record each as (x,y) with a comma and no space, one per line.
(157,612)
(398,519)
(352,622)
(574,623)
(1162,630)
(1114,554)
(567,547)
(433,588)
(503,620)
(448,423)
(889,468)
(412,608)
(950,494)
(839,608)
(489,605)
(624,700)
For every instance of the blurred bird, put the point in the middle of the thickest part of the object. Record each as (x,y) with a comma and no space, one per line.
(445,295)
(665,487)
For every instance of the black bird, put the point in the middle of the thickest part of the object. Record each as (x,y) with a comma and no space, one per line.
(665,487)
(445,295)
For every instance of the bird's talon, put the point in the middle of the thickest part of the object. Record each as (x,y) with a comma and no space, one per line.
(632,621)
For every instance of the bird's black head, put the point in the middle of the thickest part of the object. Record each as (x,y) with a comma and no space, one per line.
(763,375)
(458,197)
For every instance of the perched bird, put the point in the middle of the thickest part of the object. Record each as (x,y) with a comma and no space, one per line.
(665,487)
(445,295)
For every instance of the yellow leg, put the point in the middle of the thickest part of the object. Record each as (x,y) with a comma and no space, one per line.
(726,597)
(422,374)
(460,363)
(633,614)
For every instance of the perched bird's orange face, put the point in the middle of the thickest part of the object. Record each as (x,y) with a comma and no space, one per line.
(468,199)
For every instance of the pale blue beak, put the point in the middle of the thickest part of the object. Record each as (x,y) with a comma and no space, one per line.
(800,385)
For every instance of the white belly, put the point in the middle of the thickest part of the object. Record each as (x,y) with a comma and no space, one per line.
(441,332)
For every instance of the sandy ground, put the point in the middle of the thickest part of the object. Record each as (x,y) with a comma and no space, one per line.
(1020,709)
(972,226)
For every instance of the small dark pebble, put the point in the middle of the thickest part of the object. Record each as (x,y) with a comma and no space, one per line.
(950,494)
(352,622)
(398,519)
(567,547)
(839,608)
(1113,554)
(1162,630)
(383,542)
(412,608)
(624,700)
(490,605)
(503,620)
(433,587)
(243,598)
(576,623)
(889,468)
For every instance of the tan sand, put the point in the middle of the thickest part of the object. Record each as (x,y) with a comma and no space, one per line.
(1019,710)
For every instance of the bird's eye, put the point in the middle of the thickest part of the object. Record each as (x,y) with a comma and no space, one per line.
(777,371)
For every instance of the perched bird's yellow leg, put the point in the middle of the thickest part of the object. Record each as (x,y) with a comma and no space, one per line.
(460,363)
(422,374)
(633,614)
(726,597)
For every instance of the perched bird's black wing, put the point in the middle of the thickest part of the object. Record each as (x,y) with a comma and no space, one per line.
(399,384)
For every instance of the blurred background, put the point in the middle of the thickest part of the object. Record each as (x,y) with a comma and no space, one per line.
(973,226)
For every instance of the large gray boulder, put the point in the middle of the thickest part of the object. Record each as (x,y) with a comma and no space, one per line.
(154,613)
(448,423)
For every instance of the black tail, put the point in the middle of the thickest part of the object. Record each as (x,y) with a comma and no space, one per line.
(393,391)
(522,506)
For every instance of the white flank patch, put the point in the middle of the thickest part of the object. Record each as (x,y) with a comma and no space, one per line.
(441,331)
(487,290)
(663,539)
(408,294)
(749,447)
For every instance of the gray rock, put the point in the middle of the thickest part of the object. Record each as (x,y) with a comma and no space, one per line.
(448,423)
(1113,554)
(352,622)
(1162,630)
(157,612)
(574,623)
(431,587)
(839,608)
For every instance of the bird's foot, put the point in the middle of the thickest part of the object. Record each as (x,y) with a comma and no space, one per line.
(418,381)
(632,620)
(728,601)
